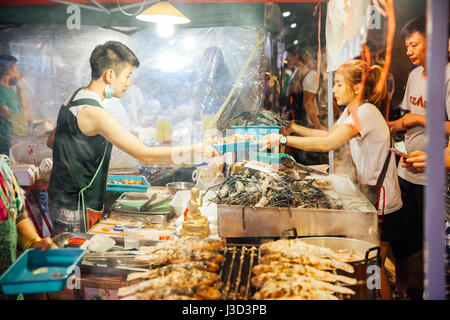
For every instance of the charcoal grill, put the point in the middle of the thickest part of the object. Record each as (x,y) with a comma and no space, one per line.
(240,259)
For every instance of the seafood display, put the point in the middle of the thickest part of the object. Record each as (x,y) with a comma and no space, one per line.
(256,118)
(231,139)
(251,187)
(182,269)
(125,181)
(290,269)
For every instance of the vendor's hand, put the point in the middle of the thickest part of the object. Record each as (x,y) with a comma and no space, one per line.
(44,244)
(206,149)
(269,141)
(288,130)
(416,163)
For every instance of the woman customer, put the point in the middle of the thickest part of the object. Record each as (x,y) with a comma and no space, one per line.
(364,128)
(16,229)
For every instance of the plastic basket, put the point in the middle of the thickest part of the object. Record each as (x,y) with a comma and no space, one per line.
(257,131)
(120,187)
(39,271)
(268,157)
(236,146)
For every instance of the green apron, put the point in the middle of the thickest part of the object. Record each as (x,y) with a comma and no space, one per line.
(8,245)
(80,166)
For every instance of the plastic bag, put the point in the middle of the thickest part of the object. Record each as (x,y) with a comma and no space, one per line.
(29,152)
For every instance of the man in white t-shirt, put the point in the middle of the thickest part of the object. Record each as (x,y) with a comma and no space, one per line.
(413,122)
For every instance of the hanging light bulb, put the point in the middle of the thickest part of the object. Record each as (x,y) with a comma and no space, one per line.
(163,11)
(164,29)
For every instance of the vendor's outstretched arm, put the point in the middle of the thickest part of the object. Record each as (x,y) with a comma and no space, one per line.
(94,120)
(336,138)
(307,132)
(339,135)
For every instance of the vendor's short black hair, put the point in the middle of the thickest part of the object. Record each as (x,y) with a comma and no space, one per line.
(415,25)
(6,62)
(111,54)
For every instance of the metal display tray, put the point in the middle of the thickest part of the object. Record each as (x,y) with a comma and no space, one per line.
(236,221)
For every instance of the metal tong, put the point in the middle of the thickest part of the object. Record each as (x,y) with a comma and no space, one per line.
(291,163)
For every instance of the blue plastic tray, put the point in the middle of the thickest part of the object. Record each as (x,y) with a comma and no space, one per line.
(36,271)
(236,146)
(257,131)
(268,157)
(127,187)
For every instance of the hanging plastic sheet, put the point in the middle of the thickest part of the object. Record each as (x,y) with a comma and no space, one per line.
(346,30)
(183,80)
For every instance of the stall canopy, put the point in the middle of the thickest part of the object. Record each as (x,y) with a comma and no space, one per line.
(109,13)
(215,62)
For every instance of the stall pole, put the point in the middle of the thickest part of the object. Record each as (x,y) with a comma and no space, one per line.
(437,39)
(330,118)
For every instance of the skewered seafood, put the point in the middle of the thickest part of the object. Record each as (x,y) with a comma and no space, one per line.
(294,268)
(263,279)
(301,291)
(196,292)
(163,271)
(177,278)
(171,256)
(296,246)
(186,242)
(323,264)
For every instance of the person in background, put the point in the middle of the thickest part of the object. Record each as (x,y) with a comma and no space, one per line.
(12,104)
(294,91)
(286,74)
(16,229)
(311,84)
(363,126)
(311,90)
(83,139)
(413,122)
(416,163)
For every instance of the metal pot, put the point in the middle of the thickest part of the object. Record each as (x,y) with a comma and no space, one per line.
(371,254)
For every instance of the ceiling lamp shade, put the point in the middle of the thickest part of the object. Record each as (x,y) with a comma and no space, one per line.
(163,11)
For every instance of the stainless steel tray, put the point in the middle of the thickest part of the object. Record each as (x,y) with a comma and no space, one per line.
(235,221)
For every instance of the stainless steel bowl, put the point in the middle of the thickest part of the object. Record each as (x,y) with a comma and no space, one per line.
(174,187)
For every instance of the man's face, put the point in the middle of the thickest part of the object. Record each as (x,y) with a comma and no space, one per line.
(416,49)
(122,81)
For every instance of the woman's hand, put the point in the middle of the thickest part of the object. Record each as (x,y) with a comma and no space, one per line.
(269,141)
(44,244)
(416,163)
(206,149)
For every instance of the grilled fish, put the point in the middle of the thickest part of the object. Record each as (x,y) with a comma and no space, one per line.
(320,263)
(197,292)
(177,278)
(178,256)
(294,268)
(294,279)
(296,247)
(163,271)
(286,290)
(186,242)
